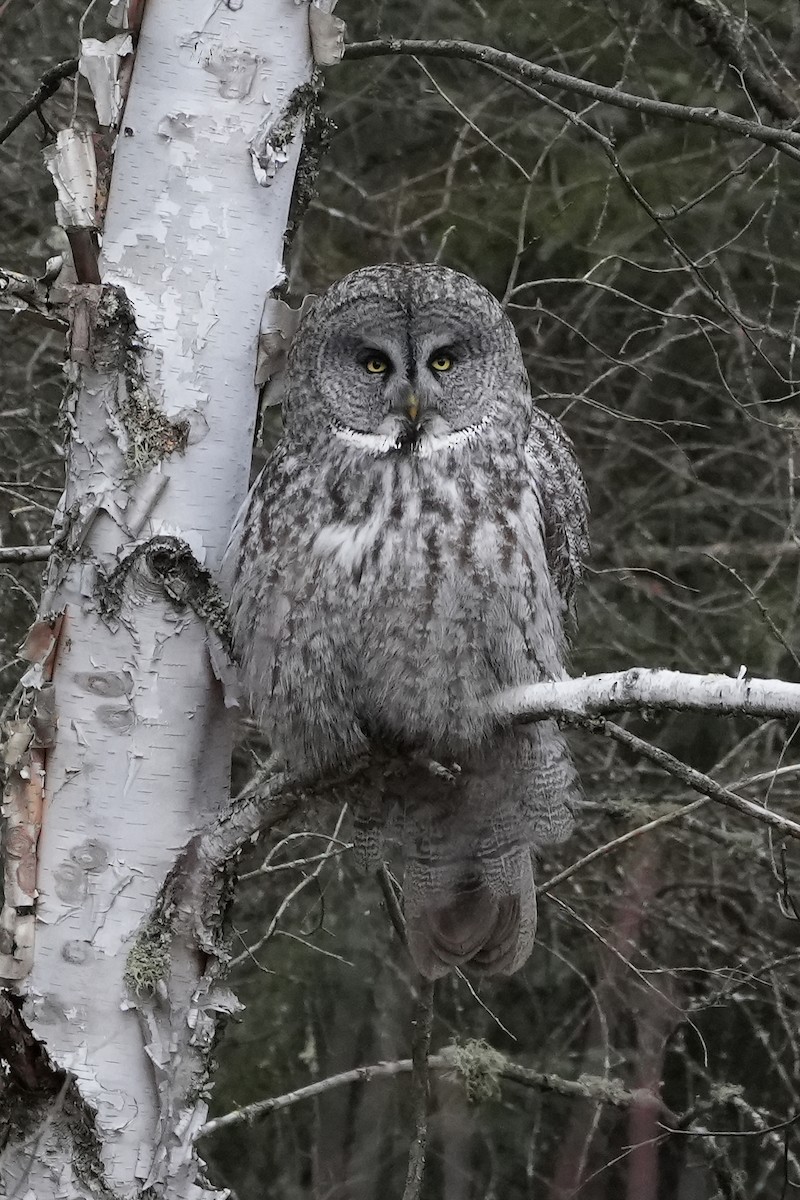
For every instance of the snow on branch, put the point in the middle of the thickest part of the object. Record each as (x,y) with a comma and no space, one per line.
(650,688)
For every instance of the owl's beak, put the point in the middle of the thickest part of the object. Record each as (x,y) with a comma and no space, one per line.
(407,408)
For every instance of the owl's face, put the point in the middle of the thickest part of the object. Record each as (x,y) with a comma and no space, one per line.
(405,359)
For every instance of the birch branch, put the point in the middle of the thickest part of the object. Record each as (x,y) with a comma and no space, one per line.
(448,1061)
(583,701)
(480,1068)
(650,688)
(35,297)
(578,700)
(24,554)
(785,140)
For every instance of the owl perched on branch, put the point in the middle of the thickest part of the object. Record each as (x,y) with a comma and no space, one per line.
(410,549)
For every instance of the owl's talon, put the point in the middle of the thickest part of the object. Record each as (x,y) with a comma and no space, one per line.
(438,769)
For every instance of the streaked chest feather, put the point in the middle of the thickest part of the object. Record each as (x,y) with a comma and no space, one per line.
(407,517)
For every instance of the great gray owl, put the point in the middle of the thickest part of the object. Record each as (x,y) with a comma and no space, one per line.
(409,550)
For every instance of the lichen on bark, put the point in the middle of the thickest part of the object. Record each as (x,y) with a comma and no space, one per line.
(149,435)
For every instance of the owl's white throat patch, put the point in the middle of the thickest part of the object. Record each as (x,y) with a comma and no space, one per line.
(376,444)
(380,445)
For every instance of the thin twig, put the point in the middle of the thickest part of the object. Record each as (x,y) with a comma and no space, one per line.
(589,1087)
(387,886)
(763,610)
(785,140)
(249,1113)
(48,86)
(610,847)
(268,867)
(716,24)
(420,1088)
(294,864)
(609,150)
(475,128)
(313,876)
(695,779)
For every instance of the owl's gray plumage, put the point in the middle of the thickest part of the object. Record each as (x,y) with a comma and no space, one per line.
(410,549)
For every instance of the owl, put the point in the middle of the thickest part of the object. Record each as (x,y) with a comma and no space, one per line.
(410,550)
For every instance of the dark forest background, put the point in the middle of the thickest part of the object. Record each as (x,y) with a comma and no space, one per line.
(667,341)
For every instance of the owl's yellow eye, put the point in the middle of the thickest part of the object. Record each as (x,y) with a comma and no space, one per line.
(442,362)
(376,365)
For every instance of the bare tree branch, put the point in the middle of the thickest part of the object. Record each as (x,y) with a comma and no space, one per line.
(609,847)
(696,779)
(785,140)
(24,554)
(480,1067)
(420,1047)
(717,25)
(653,689)
(22,293)
(49,85)
(767,552)
(450,1060)
(250,1113)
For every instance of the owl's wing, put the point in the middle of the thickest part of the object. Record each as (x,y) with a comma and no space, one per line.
(294,647)
(565,505)
(254,580)
(229,567)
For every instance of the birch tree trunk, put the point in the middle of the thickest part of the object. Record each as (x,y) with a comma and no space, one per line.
(109,1035)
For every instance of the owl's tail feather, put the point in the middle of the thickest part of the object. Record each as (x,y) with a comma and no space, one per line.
(478,912)
(487,935)
(470,900)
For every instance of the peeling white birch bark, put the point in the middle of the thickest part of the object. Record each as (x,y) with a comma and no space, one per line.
(141,759)
(650,688)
